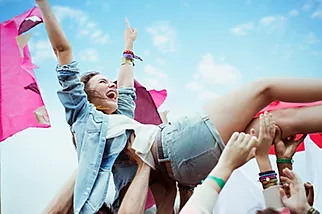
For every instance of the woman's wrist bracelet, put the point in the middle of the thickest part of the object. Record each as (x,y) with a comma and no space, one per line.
(220,182)
(284,160)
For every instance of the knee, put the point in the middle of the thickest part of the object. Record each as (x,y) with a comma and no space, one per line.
(263,88)
(286,119)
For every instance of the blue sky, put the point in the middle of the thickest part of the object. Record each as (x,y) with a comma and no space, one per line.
(194,49)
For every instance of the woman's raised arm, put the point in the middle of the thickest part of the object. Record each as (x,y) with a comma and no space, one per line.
(126,78)
(58,39)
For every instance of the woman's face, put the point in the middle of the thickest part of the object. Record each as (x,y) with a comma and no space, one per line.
(103,93)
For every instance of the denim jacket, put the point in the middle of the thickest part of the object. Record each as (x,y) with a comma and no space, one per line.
(97,157)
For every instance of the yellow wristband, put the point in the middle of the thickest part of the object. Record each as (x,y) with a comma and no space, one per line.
(127,62)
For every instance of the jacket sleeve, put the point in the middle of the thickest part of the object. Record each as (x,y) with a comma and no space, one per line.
(72,94)
(126,104)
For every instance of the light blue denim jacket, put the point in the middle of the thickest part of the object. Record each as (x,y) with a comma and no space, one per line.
(98,158)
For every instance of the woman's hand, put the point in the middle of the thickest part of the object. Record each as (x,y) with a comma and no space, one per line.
(129,35)
(296,201)
(240,148)
(266,134)
(267,130)
(286,148)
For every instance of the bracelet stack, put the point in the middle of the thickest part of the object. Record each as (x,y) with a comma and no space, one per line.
(128,58)
(268,179)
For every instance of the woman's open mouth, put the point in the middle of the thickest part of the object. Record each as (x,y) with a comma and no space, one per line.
(112,94)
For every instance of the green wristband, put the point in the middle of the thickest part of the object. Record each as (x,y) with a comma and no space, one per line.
(219,181)
(284,160)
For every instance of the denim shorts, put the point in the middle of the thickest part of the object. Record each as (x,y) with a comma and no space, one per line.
(193,147)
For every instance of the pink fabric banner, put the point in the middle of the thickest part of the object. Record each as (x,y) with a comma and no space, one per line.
(158,96)
(20,99)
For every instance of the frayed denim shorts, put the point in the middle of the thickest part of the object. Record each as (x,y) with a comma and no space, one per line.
(193,147)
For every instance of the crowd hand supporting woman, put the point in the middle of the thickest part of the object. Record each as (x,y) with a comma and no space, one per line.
(285,149)
(240,148)
(296,201)
(265,139)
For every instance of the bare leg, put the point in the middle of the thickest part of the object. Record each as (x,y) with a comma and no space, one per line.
(234,111)
(294,121)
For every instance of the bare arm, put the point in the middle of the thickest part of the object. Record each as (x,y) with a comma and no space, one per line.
(135,198)
(126,77)
(63,201)
(58,39)
(239,149)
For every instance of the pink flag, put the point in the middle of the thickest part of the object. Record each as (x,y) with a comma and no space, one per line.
(158,96)
(20,99)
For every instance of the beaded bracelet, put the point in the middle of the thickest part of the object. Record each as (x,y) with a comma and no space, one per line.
(130,55)
(266,173)
(268,179)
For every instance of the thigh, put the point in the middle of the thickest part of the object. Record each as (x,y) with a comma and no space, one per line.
(234,111)
(193,147)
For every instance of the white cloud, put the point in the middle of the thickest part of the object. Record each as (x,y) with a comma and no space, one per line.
(86,28)
(312,38)
(242,29)
(217,73)
(154,71)
(293,13)
(317,14)
(203,93)
(88,55)
(163,36)
(272,23)
(154,77)
(306,7)
(209,76)
(41,50)
(186,4)
(270,20)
